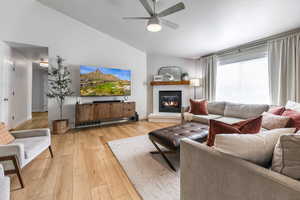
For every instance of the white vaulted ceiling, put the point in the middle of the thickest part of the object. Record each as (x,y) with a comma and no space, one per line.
(206,26)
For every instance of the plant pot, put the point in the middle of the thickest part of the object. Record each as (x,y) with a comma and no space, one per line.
(60,126)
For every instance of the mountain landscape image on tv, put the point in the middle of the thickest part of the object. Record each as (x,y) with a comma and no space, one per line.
(101,81)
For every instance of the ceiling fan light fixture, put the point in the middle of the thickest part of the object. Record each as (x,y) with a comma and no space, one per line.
(154,25)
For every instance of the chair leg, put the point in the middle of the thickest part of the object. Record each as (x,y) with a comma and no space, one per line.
(18,171)
(163,155)
(51,152)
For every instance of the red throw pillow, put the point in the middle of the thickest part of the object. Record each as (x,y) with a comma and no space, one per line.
(295,118)
(198,107)
(277,110)
(249,126)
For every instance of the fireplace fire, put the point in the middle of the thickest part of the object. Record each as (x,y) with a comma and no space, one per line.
(170,101)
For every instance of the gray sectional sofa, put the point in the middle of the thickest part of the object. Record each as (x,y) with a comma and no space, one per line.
(4,185)
(228,112)
(208,174)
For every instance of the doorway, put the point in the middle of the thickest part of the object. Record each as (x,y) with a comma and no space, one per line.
(23,78)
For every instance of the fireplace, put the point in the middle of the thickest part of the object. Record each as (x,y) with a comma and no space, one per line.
(170,101)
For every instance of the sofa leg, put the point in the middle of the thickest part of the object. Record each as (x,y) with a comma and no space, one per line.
(163,155)
(51,152)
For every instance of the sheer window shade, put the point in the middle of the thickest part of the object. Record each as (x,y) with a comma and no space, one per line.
(243,77)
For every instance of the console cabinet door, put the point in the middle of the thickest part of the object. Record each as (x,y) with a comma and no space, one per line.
(102,111)
(129,109)
(84,113)
(116,110)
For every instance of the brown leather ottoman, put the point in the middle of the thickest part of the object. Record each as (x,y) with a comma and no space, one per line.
(170,137)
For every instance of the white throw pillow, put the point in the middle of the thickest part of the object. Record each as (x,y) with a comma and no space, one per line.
(293,105)
(286,159)
(257,148)
(271,121)
(188,116)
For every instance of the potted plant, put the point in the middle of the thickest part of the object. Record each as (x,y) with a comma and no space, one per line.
(59,88)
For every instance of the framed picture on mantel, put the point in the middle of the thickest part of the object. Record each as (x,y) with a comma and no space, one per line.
(158,78)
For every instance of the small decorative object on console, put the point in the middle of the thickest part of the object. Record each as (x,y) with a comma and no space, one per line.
(170,73)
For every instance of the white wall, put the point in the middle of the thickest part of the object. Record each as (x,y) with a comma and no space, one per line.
(29,22)
(154,62)
(18,82)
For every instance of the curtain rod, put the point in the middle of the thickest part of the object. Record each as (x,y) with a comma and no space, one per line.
(253,43)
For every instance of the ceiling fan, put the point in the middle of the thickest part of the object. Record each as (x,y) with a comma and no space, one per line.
(155,20)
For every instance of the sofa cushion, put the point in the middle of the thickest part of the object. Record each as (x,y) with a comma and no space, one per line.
(244,111)
(229,120)
(198,107)
(216,107)
(271,121)
(250,126)
(286,159)
(256,148)
(4,188)
(5,136)
(205,118)
(33,145)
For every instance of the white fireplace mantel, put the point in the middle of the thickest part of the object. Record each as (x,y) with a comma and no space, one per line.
(157,116)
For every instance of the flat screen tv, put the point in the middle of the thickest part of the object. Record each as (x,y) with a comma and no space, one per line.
(101,81)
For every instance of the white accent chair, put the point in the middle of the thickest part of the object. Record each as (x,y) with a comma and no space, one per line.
(4,185)
(27,146)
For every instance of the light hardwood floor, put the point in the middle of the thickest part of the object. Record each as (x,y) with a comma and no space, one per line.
(83,167)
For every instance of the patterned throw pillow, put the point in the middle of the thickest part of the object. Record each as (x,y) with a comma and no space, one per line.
(5,136)
(272,121)
(250,126)
(198,107)
(295,118)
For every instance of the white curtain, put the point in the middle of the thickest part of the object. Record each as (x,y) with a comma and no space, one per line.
(208,67)
(284,69)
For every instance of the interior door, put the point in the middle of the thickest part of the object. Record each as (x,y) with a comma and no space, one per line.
(7,74)
(6,92)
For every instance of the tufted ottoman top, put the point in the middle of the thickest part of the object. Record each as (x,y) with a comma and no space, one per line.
(170,137)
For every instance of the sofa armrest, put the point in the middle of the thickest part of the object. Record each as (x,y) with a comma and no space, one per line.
(31,133)
(209,174)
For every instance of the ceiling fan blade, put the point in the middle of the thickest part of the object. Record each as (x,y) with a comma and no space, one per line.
(137,18)
(176,8)
(169,24)
(147,6)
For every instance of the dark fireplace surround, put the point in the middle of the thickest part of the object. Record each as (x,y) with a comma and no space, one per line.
(170,101)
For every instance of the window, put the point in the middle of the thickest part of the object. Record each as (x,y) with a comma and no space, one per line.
(245,81)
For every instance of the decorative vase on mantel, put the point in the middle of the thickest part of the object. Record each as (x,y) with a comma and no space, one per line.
(185,76)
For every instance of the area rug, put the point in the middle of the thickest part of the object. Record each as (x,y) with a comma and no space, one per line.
(150,175)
